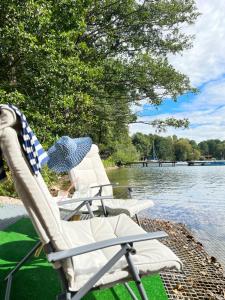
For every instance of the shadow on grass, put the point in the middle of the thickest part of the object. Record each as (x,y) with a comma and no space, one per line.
(14,251)
(4,223)
(23,226)
(32,282)
(37,281)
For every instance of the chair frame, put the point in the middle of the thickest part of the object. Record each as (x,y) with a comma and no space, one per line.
(104,182)
(127,249)
(85,201)
(129,189)
(53,255)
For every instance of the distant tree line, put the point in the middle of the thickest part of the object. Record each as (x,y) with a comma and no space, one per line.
(179,149)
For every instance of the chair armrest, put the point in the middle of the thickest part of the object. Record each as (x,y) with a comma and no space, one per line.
(102,185)
(87,199)
(55,256)
(132,186)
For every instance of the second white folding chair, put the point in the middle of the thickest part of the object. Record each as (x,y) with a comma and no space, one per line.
(90,179)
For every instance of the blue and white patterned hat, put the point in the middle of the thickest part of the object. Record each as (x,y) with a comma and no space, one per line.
(67,153)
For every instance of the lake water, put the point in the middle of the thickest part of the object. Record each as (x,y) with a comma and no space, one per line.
(193,195)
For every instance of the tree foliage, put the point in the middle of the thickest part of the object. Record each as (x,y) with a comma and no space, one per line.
(124,152)
(76,67)
(184,149)
(214,148)
(168,148)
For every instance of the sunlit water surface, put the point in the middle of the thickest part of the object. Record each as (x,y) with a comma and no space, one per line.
(194,196)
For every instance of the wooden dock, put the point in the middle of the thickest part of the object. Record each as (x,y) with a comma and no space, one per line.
(206,163)
(146,163)
(173,163)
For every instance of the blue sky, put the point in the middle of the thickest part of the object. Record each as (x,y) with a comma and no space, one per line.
(204,63)
(168,106)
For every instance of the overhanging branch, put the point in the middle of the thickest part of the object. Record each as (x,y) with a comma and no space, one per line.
(161,125)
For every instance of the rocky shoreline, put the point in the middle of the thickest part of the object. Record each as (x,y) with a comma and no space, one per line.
(10,201)
(202,276)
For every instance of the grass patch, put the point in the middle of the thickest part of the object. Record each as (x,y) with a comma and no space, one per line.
(37,280)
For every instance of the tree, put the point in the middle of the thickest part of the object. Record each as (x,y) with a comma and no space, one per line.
(212,145)
(183,150)
(125,151)
(196,154)
(214,148)
(143,144)
(194,144)
(75,68)
(221,150)
(204,148)
(166,149)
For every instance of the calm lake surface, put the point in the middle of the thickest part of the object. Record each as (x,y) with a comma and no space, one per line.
(194,196)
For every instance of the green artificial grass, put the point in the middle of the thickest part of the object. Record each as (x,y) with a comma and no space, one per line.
(37,280)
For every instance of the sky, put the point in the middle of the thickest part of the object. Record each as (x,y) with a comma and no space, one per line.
(204,64)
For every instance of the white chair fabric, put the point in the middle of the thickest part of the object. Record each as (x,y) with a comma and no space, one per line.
(91,172)
(152,256)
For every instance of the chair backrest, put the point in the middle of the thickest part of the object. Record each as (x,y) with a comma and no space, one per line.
(31,188)
(90,172)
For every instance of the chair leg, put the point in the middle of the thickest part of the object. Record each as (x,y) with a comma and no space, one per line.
(137,220)
(8,288)
(104,209)
(89,209)
(100,273)
(136,277)
(9,277)
(133,296)
(64,296)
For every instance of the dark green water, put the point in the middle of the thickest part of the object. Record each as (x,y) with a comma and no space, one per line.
(194,196)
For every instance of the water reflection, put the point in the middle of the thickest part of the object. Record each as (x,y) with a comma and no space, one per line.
(191,195)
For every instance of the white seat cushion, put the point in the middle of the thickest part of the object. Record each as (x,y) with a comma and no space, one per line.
(129,207)
(152,256)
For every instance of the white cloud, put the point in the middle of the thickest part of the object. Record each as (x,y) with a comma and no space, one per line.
(206,114)
(206,60)
(212,96)
(205,66)
(136,108)
(208,129)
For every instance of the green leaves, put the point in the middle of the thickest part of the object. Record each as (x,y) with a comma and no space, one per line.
(167,148)
(76,67)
